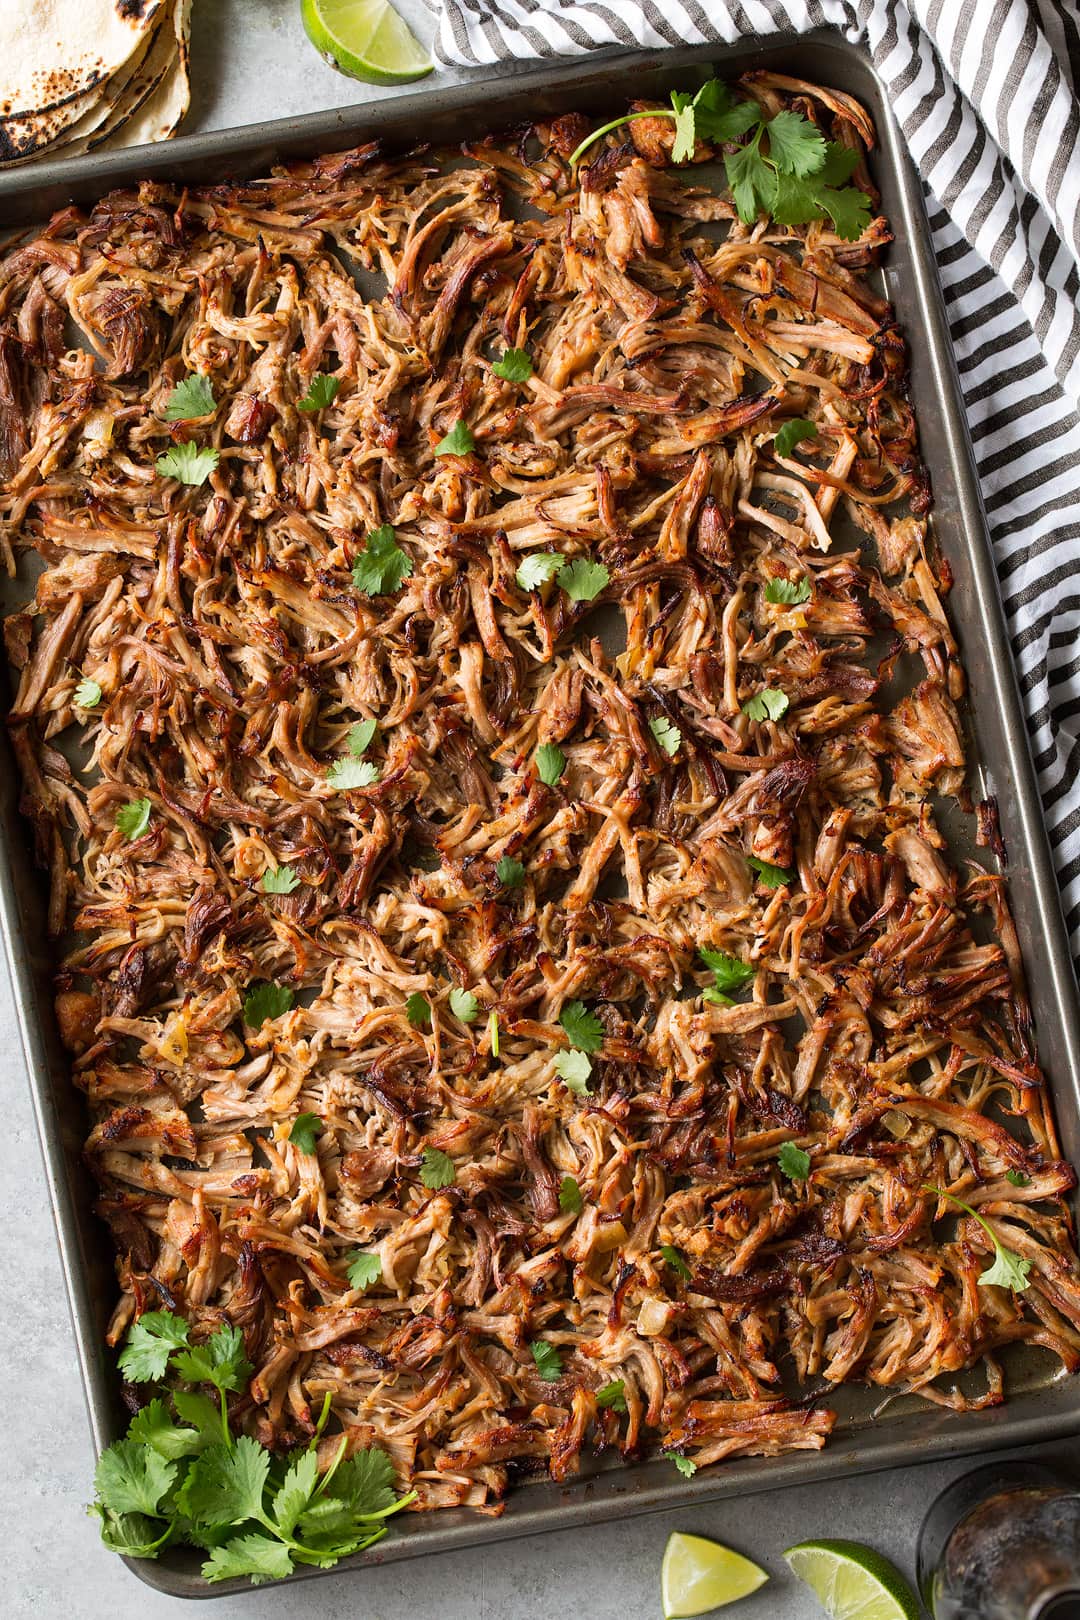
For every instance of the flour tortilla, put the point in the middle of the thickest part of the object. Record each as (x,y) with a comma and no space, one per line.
(57,58)
(103,108)
(146,100)
(158,114)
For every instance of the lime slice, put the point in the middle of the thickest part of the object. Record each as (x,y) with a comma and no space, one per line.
(698,1575)
(853,1582)
(365,39)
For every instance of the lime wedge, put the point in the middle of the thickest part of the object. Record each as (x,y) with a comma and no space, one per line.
(698,1575)
(853,1582)
(365,39)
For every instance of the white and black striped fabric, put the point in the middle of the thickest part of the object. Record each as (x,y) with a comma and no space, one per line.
(985,92)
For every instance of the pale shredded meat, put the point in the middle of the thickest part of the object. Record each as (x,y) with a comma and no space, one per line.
(884,1031)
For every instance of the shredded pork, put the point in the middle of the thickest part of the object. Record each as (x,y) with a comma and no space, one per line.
(885,1029)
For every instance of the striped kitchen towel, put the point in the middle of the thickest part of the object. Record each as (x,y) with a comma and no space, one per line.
(985,92)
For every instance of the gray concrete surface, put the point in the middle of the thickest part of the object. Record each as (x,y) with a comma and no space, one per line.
(252,60)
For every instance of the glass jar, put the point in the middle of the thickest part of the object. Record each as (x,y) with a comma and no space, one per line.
(1003,1543)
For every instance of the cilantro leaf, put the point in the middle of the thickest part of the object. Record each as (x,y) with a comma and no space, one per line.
(280,880)
(550,763)
(510,873)
(436,1169)
(795,145)
(686,1465)
(583,580)
(225,1485)
(361,736)
(152,1426)
(219,1361)
(769,876)
(366,1482)
(381,566)
(198,1410)
(584,1030)
(729,974)
(752,181)
(150,1342)
(718,117)
(548,1360)
(87,695)
(352,773)
(294,1493)
(793,432)
(840,164)
(537,568)
(132,1535)
(848,208)
(364,1269)
(132,1478)
(458,442)
(768,704)
(685,139)
(306,1128)
(322,391)
(675,1260)
(418,1010)
(613,1395)
(265,1001)
(187,463)
(1017,1178)
(1008,1270)
(514,366)
(464,1005)
(570,1199)
(254,1555)
(667,735)
(133,819)
(190,399)
(787,592)
(793,1162)
(573,1069)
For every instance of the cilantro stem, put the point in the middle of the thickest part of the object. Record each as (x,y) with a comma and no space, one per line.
(333,1468)
(951,1198)
(627,118)
(225,1432)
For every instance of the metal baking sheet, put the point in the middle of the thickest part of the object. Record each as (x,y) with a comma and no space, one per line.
(874,1432)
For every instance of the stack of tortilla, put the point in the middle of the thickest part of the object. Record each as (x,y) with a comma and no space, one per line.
(77,74)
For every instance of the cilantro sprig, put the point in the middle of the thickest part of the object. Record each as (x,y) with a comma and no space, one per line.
(768,704)
(458,442)
(547,1359)
(729,974)
(784,167)
(436,1169)
(570,1199)
(87,695)
(510,873)
(1008,1270)
(550,763)
(583,1029)
(793,1161)
(514,366)
(133,818)
(322,391)
(574,1069)
(667,734)
(187,463)
(381,567)
(190,399)
(180,1475)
